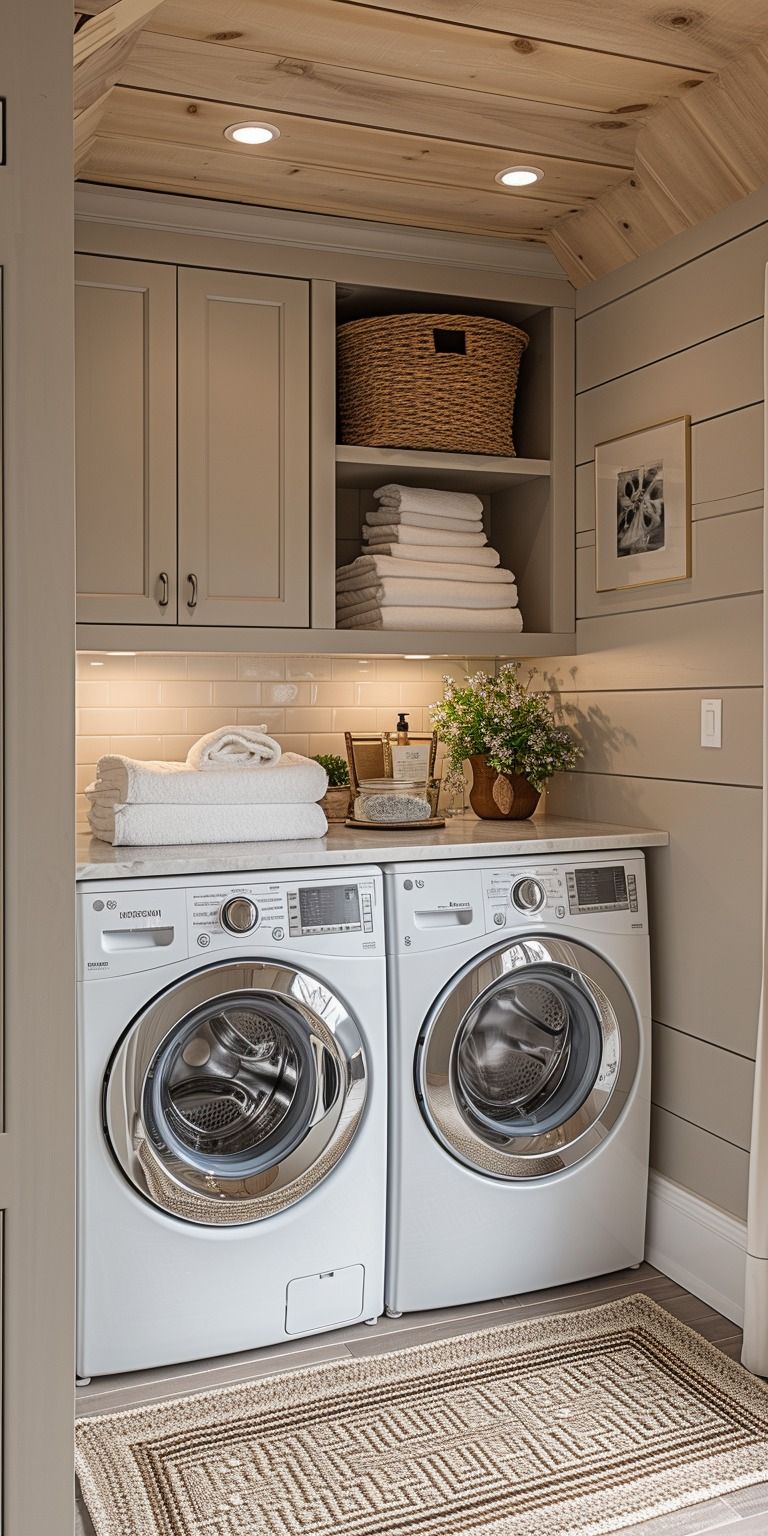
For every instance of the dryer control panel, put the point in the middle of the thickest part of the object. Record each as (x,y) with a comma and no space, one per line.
(434,907)
(592,889)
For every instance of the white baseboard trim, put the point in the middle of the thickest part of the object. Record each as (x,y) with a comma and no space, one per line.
(698,1245)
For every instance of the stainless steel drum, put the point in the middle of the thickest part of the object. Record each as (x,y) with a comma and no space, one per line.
(526,1060)
(235,1092)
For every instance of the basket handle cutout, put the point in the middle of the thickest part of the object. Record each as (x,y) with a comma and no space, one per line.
(450,341)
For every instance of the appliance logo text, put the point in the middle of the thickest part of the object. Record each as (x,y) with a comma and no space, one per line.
(146,912)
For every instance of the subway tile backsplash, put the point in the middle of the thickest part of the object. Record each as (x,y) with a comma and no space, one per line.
(156,706)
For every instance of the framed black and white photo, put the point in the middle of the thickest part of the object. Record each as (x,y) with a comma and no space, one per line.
(643,506)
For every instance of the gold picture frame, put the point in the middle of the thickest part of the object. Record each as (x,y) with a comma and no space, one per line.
(643,507)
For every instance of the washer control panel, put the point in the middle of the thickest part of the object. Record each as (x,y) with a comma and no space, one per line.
(277,912)
(137,927)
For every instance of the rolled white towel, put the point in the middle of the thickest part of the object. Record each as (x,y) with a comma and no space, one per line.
(139,826)
(234,747)
(405,593)
(450,619)
(417,498)
(384,515)
(368,568)
(435,554)
(123,780)
(401,533)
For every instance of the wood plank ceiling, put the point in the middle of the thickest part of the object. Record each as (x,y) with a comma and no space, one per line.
(643,116)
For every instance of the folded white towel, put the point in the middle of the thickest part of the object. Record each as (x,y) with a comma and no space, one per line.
(234,747)
(385,515)
(370,567)
(416,498)
(454,619)
(434,554)
(401,533)
(123,780)
(140,826)
(405,593)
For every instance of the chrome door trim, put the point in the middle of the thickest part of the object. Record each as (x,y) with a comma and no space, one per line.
(164,1177)
(501,1156)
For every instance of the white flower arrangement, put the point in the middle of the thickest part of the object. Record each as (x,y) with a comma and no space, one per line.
(505,720)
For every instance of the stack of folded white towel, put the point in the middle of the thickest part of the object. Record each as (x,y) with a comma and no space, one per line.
(427,566)
(236,786)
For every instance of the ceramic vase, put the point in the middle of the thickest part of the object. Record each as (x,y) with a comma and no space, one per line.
(500,796)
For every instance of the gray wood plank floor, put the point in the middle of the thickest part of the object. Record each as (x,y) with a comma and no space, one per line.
(739,1514)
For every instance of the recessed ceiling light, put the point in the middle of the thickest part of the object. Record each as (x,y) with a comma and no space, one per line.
(251,133)
(520,176)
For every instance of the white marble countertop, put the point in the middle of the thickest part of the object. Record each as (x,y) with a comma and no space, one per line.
(461,836)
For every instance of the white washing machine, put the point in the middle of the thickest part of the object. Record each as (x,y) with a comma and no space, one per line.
(520,1034)
(232,1089)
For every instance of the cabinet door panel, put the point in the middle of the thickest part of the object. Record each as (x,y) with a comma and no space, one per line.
(125,371)
(243,449)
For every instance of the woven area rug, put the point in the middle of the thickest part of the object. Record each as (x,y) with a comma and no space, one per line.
(574,1425)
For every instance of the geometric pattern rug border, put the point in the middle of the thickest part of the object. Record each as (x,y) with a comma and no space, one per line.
(576,1424)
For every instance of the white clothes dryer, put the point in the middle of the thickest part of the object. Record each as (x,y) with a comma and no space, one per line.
(520,1032)
(232,1100)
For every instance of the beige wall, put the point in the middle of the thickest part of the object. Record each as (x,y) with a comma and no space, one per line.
(685,341)
(156,706)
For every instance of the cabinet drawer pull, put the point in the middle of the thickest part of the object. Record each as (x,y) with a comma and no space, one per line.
(192,599)
(165,587)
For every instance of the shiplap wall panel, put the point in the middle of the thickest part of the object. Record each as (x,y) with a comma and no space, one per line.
(706,941)
(692,1156)
(703,1084)
(656,734)
(726,462)
(681,647)
(719,375)
(726,562)
(727,455)
(720,291)
(687,341)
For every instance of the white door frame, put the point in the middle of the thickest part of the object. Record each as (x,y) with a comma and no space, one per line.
(37,1150)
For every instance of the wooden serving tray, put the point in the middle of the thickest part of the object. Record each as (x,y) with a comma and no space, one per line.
(430,822)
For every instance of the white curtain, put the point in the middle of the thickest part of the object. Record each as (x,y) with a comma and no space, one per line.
(755,1352)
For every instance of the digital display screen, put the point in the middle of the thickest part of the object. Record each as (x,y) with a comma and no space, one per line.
(603,887)
(329,906)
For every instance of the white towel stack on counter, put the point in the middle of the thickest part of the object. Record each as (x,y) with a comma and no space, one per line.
(236,786)
(427,566)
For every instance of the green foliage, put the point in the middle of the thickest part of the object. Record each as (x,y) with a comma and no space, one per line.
(336,768)
(506,721)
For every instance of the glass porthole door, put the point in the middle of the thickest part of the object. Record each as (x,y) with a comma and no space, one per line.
(527,1059)
(235,1093)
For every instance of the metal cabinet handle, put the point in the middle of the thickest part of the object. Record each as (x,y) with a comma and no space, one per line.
(165,587)
(192,599)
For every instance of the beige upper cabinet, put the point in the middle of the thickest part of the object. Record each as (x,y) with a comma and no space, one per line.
(125,369)
(243,449)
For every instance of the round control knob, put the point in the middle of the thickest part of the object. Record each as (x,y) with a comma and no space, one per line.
(528,895)
(239,915)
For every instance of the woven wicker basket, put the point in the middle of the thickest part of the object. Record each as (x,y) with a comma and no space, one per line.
(445,382)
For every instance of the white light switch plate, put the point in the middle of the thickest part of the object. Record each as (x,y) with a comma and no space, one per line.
(712,722)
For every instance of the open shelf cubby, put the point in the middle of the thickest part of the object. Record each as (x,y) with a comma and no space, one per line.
(527,498)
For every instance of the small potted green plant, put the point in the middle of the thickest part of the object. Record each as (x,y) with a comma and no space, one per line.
(335,801)
(511,736)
